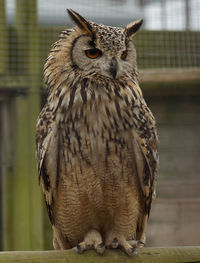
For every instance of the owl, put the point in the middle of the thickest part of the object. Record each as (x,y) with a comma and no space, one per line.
(96,140)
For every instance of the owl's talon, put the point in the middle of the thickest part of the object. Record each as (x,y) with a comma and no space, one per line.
(100,248)
(136,243)
(78,249)
(92,240)
(114,240)
(112,244)
(140,244)
(115,243)
(129,251)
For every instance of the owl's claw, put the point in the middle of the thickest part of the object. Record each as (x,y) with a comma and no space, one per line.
(136,243)
(92,240)
(80,248)
(140,244)
(130,250)
(100,248)
(133,250)
(128,246)
(113,244)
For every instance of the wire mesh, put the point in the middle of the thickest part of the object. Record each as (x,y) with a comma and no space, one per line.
(170,37)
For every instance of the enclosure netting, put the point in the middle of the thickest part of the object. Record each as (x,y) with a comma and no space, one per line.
(169,38)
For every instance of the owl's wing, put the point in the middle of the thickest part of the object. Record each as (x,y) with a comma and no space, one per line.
(146,142)
(47,143)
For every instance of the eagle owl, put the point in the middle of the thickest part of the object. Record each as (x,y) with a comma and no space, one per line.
(96,140)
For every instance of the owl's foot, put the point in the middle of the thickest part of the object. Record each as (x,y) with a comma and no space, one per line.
(128,246)
(92,240)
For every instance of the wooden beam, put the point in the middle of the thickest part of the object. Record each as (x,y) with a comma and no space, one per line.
(170,82)
(171,75)
(187,78)
(150,255)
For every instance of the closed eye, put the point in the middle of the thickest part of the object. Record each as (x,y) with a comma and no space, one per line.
(93,53)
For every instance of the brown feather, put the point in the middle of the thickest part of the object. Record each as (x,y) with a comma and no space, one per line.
(96,151)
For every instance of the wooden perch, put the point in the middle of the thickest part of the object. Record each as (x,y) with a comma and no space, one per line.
(146,255)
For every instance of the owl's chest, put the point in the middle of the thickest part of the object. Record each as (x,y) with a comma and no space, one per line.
(99,144)
(97,132)
(98,124)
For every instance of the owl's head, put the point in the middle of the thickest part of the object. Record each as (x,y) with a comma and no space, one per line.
(99,50)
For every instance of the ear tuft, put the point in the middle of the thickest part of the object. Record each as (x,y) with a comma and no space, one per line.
(133,27)
(80,21)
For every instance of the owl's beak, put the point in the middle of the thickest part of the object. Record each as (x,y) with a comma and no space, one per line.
(113,68)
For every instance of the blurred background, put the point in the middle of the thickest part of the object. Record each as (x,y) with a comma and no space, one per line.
(168,49)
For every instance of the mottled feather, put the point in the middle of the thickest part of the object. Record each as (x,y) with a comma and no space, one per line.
(96,141)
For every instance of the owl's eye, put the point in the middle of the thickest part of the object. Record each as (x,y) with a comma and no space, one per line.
(93,53)
(124,55)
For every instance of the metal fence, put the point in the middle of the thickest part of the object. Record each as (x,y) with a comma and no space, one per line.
(170,37)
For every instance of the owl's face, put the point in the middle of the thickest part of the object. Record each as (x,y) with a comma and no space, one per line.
(104,50)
